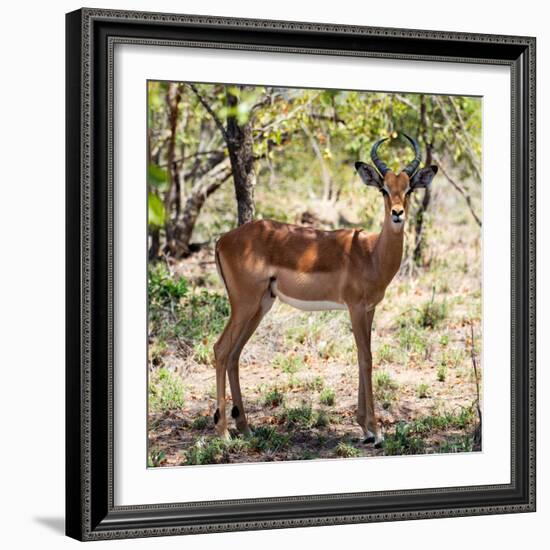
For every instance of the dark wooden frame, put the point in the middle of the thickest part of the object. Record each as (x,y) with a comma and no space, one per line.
(90,510)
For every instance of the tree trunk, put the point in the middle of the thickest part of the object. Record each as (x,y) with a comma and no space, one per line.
(173,197)
(155,243)
(179,243)
(423,207)
(241,154)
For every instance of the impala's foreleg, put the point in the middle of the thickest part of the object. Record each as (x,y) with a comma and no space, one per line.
(361,321)
(244,320)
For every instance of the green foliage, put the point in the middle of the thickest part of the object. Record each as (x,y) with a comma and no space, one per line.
(403,441)
(267,438)
(157,177)
(315,383)
(385,388)
(155,458)
(193,316)
(327,397)
(302,416)
(163,287)
(423,390)
(461,420)
(386,353)
(432,313)
(412,338)
(166,390)
(322,419)
(345,450)
(452,357)
(408,438)
(274,398)
(204,313)
(297,334)
(460,444)
(289,125)
(201,423)
(215,450)
(156,211)
(441,372)
(290,364)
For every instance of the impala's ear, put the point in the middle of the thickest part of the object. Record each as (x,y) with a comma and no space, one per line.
(424,177)
(369,174)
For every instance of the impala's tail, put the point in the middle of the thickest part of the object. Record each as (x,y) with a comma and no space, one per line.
(219,266)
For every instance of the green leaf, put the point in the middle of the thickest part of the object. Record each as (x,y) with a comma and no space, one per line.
(158,177)
(156,212)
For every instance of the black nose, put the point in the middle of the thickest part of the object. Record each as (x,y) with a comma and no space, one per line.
(396,212)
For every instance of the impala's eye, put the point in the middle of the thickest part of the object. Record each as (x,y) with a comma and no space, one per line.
(409,191)
(384,191)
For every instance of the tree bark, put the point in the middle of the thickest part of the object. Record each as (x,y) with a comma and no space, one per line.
(241,154)
(155,243)
(423,207)
(179,243)
(173,197)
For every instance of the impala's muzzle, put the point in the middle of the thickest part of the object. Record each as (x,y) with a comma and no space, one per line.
(398,215)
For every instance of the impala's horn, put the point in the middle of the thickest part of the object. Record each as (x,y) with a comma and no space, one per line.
(413,166)
(381,166)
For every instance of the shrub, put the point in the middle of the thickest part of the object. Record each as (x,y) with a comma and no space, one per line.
(345,450)
(165,390)
(274,398)
(403,441)
(315,383)
(300,416)
(423,390)
(155,458)
(290,364)
(201,422)
(459,444)
(432,313)
(327,397)
(163,287)
(266,438)
(386,354)
(322,420)
(385,388)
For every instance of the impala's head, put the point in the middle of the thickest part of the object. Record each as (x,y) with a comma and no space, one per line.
(396,188)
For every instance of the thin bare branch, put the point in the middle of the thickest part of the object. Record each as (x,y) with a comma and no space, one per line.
(461,136)
(467,197)
(325,173)
(477,433)
(210,111)
(406,102)
(192,156)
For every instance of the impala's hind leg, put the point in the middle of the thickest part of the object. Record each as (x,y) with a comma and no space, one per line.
(249,327)
(245,318)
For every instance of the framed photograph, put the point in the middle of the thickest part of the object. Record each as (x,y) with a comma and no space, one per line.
(300,274)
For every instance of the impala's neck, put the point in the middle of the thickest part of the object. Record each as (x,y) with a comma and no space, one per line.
(389,249)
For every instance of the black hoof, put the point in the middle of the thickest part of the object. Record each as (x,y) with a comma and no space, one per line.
(379,445)
(369,439)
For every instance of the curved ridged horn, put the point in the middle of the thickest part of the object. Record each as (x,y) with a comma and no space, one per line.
(382,166)
(412,166)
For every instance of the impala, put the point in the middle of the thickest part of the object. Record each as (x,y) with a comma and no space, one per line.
(314,270)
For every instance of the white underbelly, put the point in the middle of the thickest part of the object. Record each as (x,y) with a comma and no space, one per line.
(306,305)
